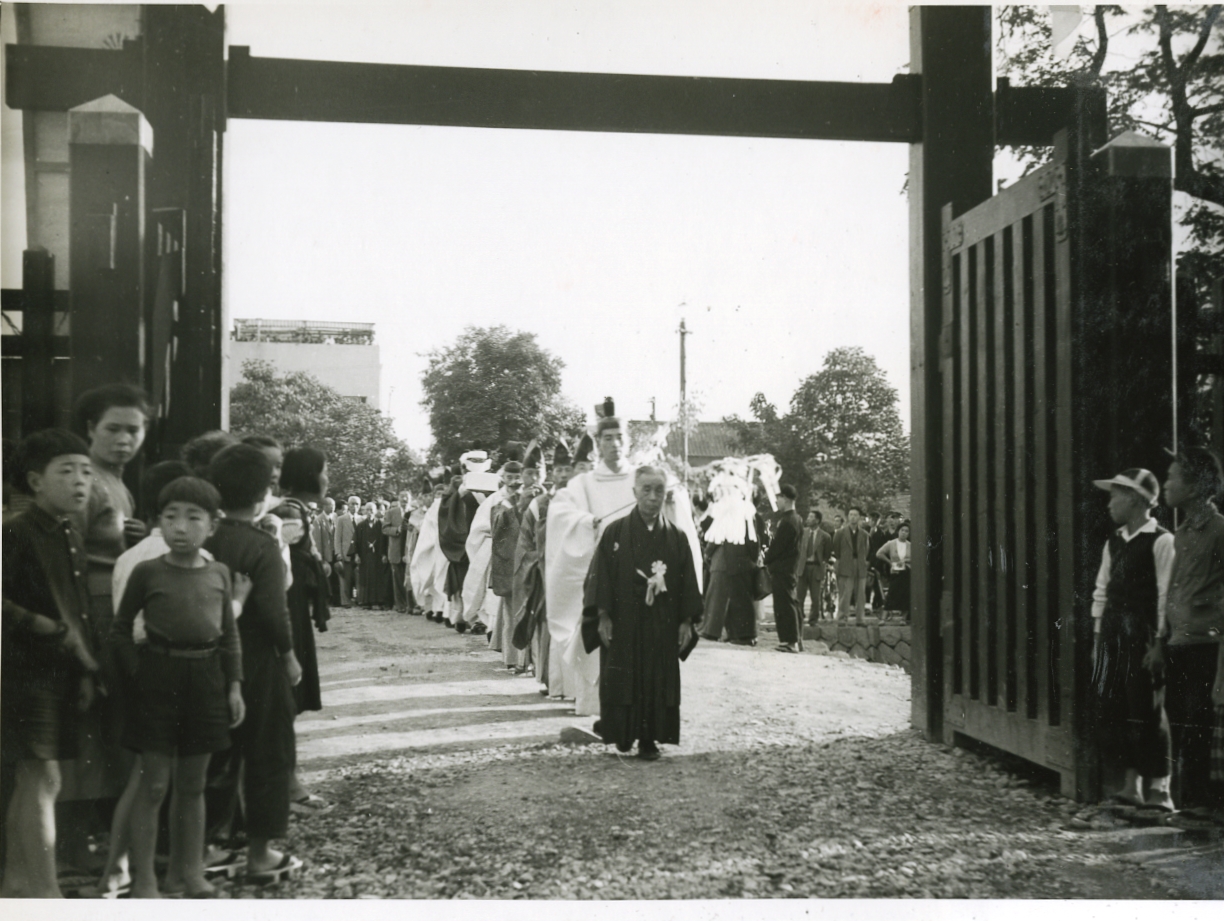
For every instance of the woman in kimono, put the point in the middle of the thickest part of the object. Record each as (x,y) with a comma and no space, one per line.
(370,546)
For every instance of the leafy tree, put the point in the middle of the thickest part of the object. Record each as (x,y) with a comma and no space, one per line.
(364,456)
(1163,71)
(842,441)
(492,386)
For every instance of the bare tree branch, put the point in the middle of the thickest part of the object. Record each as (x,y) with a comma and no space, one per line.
(1213,13)
(1208,110)
(1188,178)
(1166,43)
(1098,59)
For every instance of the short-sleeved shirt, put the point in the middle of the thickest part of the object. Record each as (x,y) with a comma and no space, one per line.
(182,606)
(1196,590)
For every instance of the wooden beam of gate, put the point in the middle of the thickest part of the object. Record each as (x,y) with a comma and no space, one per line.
(57,79)
(403,94)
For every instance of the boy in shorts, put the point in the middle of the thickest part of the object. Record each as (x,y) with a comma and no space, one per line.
(47,667)
(186,677)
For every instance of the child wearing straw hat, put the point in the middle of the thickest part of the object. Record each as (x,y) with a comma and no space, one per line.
(1128,609)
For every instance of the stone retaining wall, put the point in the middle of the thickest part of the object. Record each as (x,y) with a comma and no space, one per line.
(874,642)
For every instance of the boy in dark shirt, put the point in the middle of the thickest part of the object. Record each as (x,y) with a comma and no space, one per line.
(264,742)
(47,667)
(188,678)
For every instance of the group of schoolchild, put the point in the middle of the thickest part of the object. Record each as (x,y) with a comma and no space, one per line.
(150,659)
(1158,659)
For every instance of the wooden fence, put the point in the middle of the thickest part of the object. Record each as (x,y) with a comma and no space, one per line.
(1057,361)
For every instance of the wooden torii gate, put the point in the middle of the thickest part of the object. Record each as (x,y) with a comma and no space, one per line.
(178,77)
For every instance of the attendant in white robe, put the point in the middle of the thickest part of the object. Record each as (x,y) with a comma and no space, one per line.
(479,603)
(426,560)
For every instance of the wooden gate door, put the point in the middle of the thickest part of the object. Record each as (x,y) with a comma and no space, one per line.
(1057,368)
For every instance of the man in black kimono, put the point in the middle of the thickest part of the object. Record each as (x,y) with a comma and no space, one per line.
(642,603)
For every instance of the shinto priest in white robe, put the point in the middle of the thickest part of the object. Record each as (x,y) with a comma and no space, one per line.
(427,560)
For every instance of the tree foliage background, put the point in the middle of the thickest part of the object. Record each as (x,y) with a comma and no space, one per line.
(1163,70)
(841,442)
(364,456)
(495,385)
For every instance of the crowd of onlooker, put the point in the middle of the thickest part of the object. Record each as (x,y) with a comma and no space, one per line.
(165,657)
(841,565)
(153,666)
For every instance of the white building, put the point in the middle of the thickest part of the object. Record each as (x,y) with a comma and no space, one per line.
(341,355)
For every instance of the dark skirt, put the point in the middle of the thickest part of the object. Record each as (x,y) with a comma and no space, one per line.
(1132,725)
(307,695)
(899,591)
(374,581)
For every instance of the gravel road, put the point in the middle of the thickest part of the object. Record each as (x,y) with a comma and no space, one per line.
(797,776)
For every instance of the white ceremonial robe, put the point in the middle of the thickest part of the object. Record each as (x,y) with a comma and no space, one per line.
(429,593)
(568,549)
(479,547)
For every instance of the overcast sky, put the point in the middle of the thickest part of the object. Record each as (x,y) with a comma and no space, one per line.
(775,251)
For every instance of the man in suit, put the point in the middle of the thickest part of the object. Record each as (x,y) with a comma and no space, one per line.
(346,528)
(781,559)
(814,551)
(850,546)
(394,526)
(323,534)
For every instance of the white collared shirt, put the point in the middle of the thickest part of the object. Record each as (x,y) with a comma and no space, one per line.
(1162,550)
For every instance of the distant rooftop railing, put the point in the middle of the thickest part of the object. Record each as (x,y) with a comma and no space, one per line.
(313,332)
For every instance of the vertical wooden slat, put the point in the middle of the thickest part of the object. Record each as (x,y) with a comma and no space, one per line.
(1052,469)
(1041,525)
(968,362)
(984,461)
(1020,420)
(1066,477)
(1004,478)
(950,384)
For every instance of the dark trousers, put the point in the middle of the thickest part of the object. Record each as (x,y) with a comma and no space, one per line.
(346,573)
(399,592)
(786,605)
(262,755)
(812,583)
(333,584)
(1190,673)
(877,587)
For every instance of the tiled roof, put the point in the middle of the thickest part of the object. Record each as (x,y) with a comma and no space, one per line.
(710,440)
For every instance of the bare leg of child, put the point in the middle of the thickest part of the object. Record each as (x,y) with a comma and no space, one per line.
(1132,787)
(116,873)
(29,870)
(154,781)
(187,824)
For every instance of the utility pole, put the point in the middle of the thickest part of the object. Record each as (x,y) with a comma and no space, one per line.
(683,409)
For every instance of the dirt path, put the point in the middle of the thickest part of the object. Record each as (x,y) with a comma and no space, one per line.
(797,776)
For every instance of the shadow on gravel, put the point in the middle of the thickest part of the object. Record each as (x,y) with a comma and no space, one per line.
(884,817)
